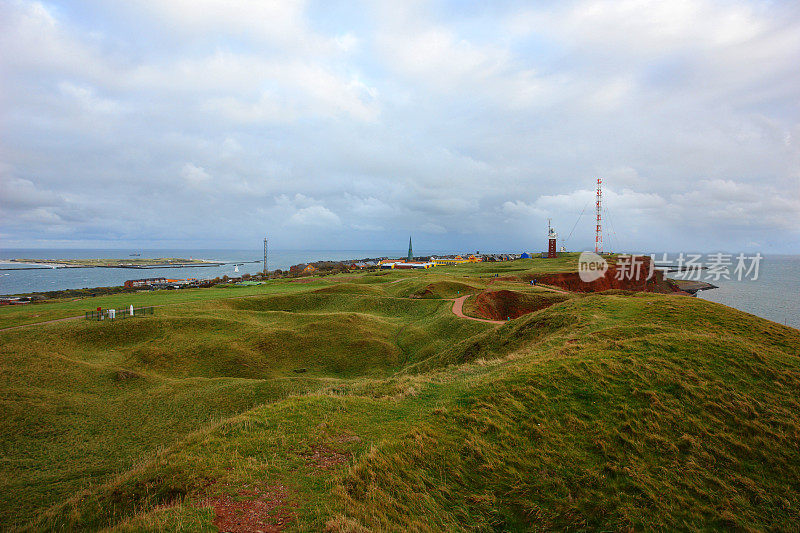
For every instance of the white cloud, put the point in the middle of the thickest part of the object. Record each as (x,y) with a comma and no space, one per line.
(32,38)
(518,208)
(467,125)
(369,207)
(16,193)
(297,89)
(87,98)
(644,27)
(230,147)
(440,60)
(347,42)
(42,215)
(619,201)
(740,205)
(430,227)
(262,21)
(194,174)
(367,227)
(623,175)
(315,215)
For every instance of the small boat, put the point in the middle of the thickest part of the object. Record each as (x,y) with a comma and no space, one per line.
(134,255)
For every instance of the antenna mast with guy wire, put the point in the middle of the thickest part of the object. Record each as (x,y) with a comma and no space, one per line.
(598,236)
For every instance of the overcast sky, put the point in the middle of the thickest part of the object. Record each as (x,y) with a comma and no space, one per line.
(348,125)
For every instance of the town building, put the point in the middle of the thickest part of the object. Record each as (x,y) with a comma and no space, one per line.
(414,264)
(457,260)
(140,283)
(302,268)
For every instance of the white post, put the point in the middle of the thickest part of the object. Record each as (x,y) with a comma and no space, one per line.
(131,310)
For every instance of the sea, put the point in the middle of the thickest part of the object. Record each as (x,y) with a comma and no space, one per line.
(774,294)
(237,262)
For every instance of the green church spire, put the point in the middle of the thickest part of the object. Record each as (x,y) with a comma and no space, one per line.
(410,253)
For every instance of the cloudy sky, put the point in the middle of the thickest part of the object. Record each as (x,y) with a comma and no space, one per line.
(350,125)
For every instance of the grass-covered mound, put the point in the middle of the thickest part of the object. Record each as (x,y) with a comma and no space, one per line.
(444,289)
(82,400)
(610,412)
(506,304)
(633,426)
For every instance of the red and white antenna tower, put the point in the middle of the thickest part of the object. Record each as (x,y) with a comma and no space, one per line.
(598,236)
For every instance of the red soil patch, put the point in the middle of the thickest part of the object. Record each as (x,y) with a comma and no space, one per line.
(325,458)
(504,304)
(259,509)
(571,281)
(458,310)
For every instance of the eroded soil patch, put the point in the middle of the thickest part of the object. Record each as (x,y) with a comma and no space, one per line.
(505,304)
(324,457)
(266,509)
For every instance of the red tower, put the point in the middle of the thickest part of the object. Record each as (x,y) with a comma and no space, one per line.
(551,241)
(598,235)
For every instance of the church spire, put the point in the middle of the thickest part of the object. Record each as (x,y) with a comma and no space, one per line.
(410,253)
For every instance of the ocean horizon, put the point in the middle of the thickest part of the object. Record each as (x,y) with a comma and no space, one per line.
(48,279)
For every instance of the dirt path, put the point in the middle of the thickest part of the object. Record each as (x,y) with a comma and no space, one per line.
(552,289)
(538,285)
(40,323)
(458,310)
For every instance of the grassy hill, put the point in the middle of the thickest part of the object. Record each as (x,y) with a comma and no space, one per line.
(359,404)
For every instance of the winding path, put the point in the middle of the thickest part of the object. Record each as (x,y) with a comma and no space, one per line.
(458,310)
(40,323)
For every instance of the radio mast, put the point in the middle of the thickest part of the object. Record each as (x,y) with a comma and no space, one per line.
(598,236)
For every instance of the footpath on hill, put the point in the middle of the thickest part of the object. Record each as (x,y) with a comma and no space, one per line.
(458,310)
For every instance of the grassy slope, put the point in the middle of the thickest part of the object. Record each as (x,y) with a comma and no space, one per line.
(68,419)
(637,423)
(607,411)
(16,315)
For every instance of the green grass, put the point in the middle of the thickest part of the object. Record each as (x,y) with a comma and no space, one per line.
(16,315)
(600,412)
